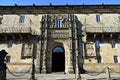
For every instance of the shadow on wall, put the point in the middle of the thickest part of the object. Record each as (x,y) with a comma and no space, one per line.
(80,46)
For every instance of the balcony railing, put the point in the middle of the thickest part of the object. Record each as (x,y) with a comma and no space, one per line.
(15,30)
(102,29)
(16,27)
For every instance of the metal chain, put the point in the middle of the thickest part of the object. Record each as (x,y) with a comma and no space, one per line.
(18,75)
(97,73)
(114,71)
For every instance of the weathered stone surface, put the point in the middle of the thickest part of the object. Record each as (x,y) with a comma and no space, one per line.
(54,37)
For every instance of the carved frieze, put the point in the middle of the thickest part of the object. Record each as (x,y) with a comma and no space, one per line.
(58,34)
(64,20)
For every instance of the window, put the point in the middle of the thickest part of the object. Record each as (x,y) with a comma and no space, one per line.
(58,23)
(113,44)
(98,18)
(115,59)
(22,19)
(99,59)
(97,44)
(10,43)
(8,59)
(119,19)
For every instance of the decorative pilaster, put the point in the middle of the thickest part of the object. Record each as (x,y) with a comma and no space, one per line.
(76,49)
(44,70)
(71,62)
(38,57)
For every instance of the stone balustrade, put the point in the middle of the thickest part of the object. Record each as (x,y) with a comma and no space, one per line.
(15,30)
(102,29)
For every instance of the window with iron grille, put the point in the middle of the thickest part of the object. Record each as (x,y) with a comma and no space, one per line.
(113,44)
(22,19)
(58,23)
(98,18)
(119,19)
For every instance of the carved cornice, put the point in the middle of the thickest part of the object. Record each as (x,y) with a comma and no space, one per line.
(59,9)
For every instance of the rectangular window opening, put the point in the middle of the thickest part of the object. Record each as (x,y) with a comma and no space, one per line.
(58,23)
(8,59)
(119,19)
(22,19)
(98,18)
(115,59)
(114,45)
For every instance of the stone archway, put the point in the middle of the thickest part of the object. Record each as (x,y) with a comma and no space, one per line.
(58,59)
(51,50)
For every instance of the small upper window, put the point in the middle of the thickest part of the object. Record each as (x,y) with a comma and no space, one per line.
(98,18)
(114,44)
(119,19)
(22,19)
(97,44)
(10,43)
(58,23)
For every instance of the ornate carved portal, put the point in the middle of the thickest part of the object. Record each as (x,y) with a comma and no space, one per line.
(58,30)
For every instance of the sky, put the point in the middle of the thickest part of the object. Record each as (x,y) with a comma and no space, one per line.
(57,2)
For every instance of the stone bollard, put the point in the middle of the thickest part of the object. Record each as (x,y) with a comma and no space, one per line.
(3,67)
(108,73)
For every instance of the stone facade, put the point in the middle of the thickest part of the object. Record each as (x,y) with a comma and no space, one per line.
(75,33)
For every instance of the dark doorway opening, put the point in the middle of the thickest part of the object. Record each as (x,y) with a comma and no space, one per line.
(58,60)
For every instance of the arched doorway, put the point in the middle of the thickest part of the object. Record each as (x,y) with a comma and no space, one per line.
(58,59)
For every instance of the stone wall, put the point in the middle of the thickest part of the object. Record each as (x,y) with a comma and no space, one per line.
(85,20)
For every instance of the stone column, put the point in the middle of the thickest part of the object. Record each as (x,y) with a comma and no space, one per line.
(38,58)
(70,60)
(44,62)
(76,51)
(44,69)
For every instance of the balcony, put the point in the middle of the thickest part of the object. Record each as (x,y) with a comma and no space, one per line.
(15,30)
(102,29)
(8,26)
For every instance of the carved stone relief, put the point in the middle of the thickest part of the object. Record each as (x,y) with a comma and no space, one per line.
(64,20)
(27,49)
(90,49)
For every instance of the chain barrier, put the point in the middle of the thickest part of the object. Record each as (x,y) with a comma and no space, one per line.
(114,71)
(18,75)
(96,73)
(111,70)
